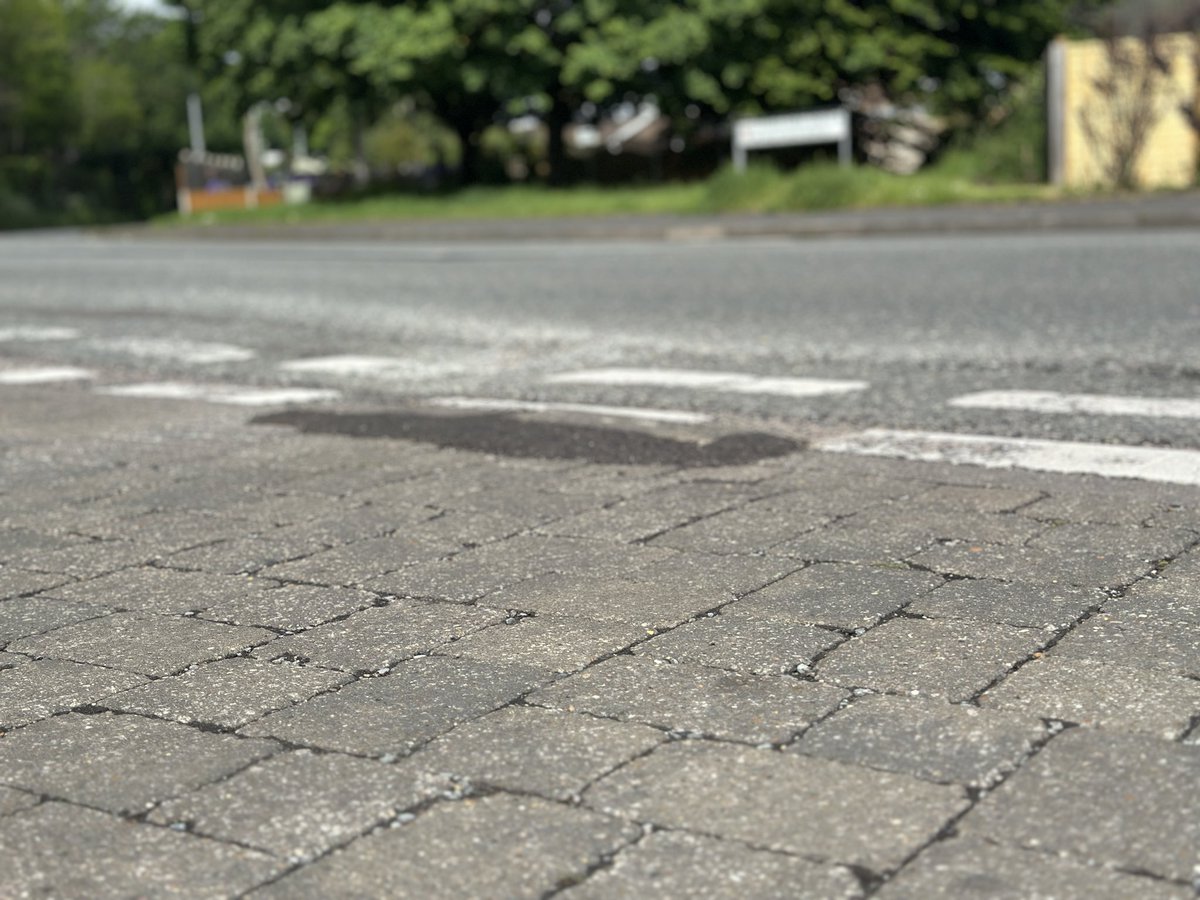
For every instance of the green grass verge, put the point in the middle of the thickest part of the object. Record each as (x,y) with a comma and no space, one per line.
(759,189)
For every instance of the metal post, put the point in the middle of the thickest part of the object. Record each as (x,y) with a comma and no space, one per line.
(195,117)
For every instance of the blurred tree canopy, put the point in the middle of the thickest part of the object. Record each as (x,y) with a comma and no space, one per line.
(471,61)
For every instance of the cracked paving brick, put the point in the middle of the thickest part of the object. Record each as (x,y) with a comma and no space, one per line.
(143,642)
(728,641)
(975,499)
(704,573)
(291,607)
(694,699)
(17,582)
(354,564)
(299,804)
(930,739)
(650,605)
(44,687)
(59,850)
(1020,604)
(120,763)
(484,570)
(381,636)
(556,644)
(946,658)
(965,869)
(1127,641)
(649,514)
(538,751)
(1095,693)
(840,813)
(21,547)
(498,846)
(26,616)
(94,558)
(1114,800)
(753,528)
(164,591)
(677,864)
(1111,502)
(843,596)
(227,693)
(244,554)
(419,700)
(13,800)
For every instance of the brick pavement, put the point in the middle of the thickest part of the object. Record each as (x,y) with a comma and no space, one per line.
(237,660)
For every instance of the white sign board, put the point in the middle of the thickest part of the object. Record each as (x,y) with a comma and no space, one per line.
(828,126)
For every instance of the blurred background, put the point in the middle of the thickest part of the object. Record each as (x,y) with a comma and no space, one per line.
(119,110)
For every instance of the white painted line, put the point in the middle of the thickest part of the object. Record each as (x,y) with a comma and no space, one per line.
(192,352)
(735,382)
(676,416)
(1088,404)
(37,333)
(1108,460)
(43,375)
(221,393)
(355,366)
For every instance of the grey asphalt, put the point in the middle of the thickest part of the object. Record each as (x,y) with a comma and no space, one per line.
(367,647)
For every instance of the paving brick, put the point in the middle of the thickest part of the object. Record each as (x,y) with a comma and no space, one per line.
(44,687)
(120,763)
(159,590)
(729,641)
(419,700)
(1019,604)
(59,850)
(556,644)
(946,658)
(653,513)
(1090,692)
(498,846)
(930,739)
(142,642)
(694,699)
(843,596)
(476,573)
(1115,800)
(291,607)
(963,869)
(357,563)
(246,554)
(979,499)
(381,636)
(677,864)
(15,582)
(1132,642)
(297,805)
(539,751)
(24,616)
(752,528)
(650,605)
(227,693)
(840,813)
(707,573)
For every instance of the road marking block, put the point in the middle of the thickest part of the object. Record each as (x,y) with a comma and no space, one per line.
(1088,404)
(355,366)
(43,375)
(733,382)
(236,395)
(192,352)
(37,333)
(675,416)
(1108,460)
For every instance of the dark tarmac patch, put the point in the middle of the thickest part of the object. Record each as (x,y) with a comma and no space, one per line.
(504,435)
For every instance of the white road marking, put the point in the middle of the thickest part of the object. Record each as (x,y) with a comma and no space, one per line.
(355,366)
(43,375)
(1089,404)
(1108,460)
(236,395)
(192,352)
(734,382)
(676,416)
(37,333)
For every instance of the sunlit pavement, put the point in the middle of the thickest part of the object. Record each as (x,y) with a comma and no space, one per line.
(341,643)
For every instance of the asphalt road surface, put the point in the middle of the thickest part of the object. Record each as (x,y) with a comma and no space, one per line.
(896,333)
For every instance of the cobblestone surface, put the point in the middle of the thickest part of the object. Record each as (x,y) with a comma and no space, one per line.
(236,660)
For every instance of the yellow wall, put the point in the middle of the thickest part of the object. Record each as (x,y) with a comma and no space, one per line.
(1172,149)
